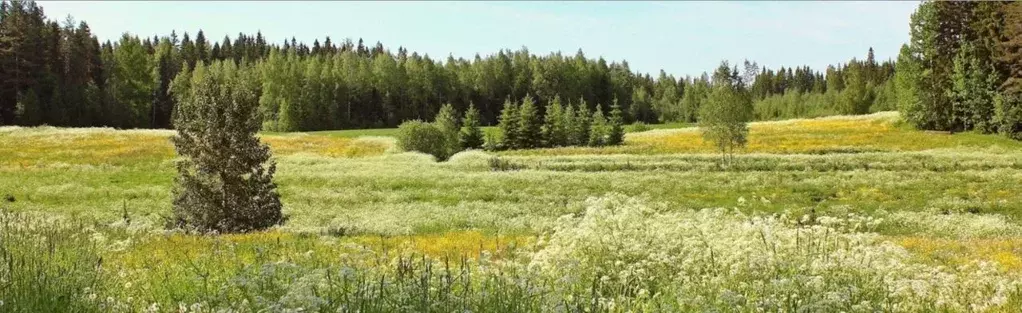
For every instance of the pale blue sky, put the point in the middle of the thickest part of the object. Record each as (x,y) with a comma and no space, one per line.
(683,38)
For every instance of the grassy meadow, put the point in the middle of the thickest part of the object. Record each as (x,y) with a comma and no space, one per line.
(837,214)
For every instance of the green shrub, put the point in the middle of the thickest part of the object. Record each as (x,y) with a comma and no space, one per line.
(638,126)
(423,137)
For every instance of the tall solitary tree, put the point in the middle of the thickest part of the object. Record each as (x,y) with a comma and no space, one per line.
(225,178)
(724,118)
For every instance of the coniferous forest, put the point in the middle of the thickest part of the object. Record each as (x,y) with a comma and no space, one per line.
(58,73)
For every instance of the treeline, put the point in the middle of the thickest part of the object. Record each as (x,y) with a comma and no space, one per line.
(857,87)
(61,75)
(962,69)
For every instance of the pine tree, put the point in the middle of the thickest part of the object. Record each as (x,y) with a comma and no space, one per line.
(471,136)
(616,131)
(225,178)
(509,126)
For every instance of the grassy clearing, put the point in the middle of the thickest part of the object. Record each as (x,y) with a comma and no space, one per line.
(914,221)
(879,132)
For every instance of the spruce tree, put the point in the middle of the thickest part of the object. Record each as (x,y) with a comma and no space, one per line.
(616,131)
(471,136)
(530,124)
(583,124)
(598,131)
(554,128)
(225,176)
(570,122)
(508,126)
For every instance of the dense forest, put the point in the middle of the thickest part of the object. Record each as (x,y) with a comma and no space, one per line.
(58,73)
(962,69)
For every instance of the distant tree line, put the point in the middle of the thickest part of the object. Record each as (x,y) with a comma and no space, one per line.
(61,75)
(962,69)
(857,87)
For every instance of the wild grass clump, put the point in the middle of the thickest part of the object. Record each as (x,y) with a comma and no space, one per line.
(470,159)
(46,265)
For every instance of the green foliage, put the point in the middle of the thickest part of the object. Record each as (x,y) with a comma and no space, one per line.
(724,118)
(1008,115)
(638,126)
(447,122)
(857,95)
(579,125)
(423,137)
(471,136)
(958,72)
(46,265)
(886,97)
(599,129)
(905,80)
(667,103)
(28,111)
(225,177)
(131,83)
(509,126)
(642,106)
(181,88)
(694,97)
(530,124)
(974,86)
(616,131)
(796,104)
(555,128)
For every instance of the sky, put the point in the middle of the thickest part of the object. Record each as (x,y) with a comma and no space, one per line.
(681,38)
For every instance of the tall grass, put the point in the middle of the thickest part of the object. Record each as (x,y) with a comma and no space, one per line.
(46,265)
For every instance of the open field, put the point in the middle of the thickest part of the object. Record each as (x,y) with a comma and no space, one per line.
(855,214)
